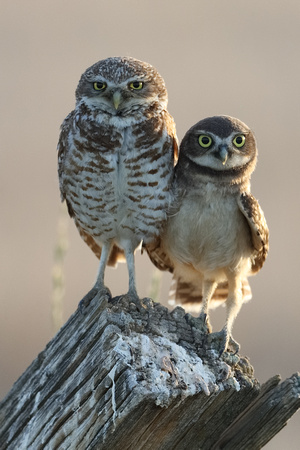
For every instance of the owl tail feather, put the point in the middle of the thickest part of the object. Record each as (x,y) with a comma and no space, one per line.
(189,294)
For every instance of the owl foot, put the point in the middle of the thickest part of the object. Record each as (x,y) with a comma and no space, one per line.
(127,299)
(137,303)
(95,291)
(226,341)
(134,298)
(204,321)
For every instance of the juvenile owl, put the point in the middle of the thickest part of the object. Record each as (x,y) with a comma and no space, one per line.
(216,234)
(115,157)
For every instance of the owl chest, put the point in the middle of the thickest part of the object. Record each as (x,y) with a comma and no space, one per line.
(114,179)
(98,170)
(211,232)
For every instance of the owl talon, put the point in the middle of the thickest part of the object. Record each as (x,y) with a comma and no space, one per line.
(235,345)
(203,317)
(134,298)
(85,302)
(226,341)
(128,298)
(204,321)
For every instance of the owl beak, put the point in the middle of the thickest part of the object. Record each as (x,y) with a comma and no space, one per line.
(222,154)
(117,99)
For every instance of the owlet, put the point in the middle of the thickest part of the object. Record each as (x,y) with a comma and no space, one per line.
(216,234)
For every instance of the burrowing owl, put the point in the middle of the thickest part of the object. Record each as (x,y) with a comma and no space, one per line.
(115,157)
(216,233)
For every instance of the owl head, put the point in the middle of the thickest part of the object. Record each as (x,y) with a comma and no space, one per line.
(220,146)
(121,85)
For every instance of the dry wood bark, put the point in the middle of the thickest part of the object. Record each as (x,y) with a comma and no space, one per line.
(122,377)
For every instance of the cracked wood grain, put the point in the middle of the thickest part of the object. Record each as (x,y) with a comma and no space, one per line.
(119,377)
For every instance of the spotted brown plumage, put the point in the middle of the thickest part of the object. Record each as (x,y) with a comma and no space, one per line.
(216,234)
(115,158)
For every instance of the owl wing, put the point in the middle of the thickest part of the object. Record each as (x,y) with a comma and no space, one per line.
(155,249)
(250,208)
(116,254)
(158,256)
(171,130)
(62,148)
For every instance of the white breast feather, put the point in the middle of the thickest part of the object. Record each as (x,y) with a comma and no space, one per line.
(210,233)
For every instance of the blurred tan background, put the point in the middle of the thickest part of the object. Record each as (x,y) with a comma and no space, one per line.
(217,57)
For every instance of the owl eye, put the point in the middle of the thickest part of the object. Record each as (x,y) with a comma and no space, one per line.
(99,86)
(205,141)
(239,141)
(136,85)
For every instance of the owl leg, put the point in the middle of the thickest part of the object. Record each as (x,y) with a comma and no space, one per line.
(99,287)
(233,305)
(208,289)
(132,292)
(129,255)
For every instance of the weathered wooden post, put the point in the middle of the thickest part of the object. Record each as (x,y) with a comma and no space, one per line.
(123,378)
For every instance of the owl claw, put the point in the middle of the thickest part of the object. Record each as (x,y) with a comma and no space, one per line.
(203,318)
(225,341)
(128,298)
(134,298)
(85,302)
(235,345)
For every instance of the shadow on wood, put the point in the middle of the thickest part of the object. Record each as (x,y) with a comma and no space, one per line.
(122,377)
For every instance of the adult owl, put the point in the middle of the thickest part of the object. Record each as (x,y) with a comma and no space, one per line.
(216,234)
(115,157)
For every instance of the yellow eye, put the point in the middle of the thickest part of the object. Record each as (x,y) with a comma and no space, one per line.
(239,140)
(205,141)
(99,86)
(136,85)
